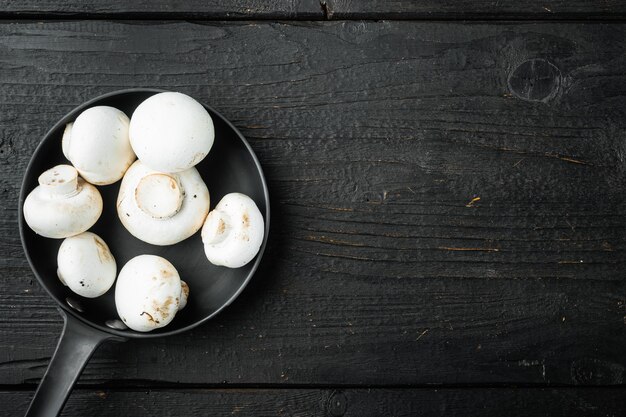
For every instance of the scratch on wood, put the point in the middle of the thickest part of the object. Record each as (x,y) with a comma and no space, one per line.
(340,256)
(325,239)
(568,262)
(337,208)
(469,249)
(422,334)
(521,152)
(471,203)
(567,159)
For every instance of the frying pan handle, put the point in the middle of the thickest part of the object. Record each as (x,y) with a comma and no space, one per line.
(76,345)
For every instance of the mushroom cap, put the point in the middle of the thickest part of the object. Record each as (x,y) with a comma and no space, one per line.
(86,265)
(147,293)
(97,144)
(162,209)
(184,295)
(233,232)
(171,132)
(63,204)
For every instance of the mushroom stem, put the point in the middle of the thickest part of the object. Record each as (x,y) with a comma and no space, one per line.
(60,181)
(216,228)
(159,195)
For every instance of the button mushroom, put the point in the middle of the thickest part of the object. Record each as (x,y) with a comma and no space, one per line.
(171,132)
(162,209)
(86,265)
(97,144)
(63,204)
(148,293)
(233,231)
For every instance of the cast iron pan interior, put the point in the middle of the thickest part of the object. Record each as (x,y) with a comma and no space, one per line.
(231,166)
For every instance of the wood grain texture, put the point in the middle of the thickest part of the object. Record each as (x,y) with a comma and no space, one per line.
(170,9)
(335,403)
(317,9)
(443,211)
(474,9)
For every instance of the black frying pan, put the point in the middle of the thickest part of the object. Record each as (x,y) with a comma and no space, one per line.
(231,166)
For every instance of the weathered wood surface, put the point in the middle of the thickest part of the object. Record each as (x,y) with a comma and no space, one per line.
(475,402)
(474,9)
(170,9)
(446,210)
(318,9)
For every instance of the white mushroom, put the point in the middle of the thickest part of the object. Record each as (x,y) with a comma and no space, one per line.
(171,132)
(97,144)
(184,295)
(233,231)
(63,204)
(86,265)
(148,293)
(162,209)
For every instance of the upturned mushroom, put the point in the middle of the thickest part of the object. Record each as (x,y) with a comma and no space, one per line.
(162,209)
(63,204)
(86,265)
(233,232)
(97,144)
(149,292)
(171,132)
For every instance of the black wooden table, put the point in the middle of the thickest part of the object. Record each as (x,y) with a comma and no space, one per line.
(448,182)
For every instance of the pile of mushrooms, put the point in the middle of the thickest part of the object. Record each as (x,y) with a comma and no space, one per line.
(162,200)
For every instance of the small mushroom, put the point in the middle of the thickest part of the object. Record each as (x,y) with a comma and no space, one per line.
(148,293)
(97,144)
(171,132)
(233,231)
(63,204)
(162,209)
(86,265)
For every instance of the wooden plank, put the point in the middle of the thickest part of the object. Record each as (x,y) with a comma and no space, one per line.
(484,402)
(474,9)
(317,9)
(446,209)
(188,9)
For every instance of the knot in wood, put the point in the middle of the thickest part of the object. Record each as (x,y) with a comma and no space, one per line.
(535,80)
(337,404)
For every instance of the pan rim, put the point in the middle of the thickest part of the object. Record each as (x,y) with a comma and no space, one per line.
(131,333)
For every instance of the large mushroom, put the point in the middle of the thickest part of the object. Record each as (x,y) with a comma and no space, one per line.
(97,144)
(162,209)
(63,204)
(86,265)
(171,132)
(233,231)
(149,293)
